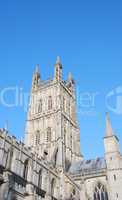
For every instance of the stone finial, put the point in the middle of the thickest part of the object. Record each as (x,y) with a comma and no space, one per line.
(58,60)
(70,78)
(37,69)
(109,130)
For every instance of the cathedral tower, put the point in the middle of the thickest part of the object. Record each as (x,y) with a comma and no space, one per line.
(51,127)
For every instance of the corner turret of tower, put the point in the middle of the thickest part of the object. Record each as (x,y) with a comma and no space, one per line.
(36,77)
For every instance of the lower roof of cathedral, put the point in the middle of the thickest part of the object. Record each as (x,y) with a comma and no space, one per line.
(88,165)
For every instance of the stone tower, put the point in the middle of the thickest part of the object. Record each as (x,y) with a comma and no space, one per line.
(113,161)
(51,128)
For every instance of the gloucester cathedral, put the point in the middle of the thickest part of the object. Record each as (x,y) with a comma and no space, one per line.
(48,164)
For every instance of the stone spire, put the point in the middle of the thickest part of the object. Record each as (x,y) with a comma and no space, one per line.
(58,69)
(109,130)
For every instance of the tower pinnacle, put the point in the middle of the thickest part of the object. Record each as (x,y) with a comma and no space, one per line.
(70,77)
(37,69)
(58,69)
(58,60)
(36,77)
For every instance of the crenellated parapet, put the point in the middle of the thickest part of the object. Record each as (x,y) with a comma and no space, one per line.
(25,171)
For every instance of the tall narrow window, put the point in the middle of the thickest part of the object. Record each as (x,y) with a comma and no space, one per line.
(64,104)
(55,157)
(73,111)
(48,134)
(100,192)
(114,177)
(65,134)
(40,106)
(49,103)
(37,138)
(65,137)
(25,171)
(40,179)
(52,187)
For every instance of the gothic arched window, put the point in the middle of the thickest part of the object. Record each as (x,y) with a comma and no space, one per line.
(40,179)
(49,103)
(52,187)
(25,171)
(40,106)
(100,192)
(48,134)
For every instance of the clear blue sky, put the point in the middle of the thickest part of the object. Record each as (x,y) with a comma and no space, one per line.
(88,37)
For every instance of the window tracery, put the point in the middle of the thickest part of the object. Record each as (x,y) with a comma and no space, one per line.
(48,134)
(100,192)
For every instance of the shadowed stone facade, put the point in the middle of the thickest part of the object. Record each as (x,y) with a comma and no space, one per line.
(49,164)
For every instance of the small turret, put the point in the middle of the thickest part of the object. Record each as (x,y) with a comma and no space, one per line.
(36,77)
(109,130)
(58,69)
(111,141)
(70,82)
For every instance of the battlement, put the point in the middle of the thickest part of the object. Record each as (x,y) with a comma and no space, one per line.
(9,143)
(11,139)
